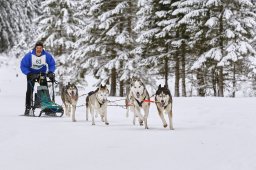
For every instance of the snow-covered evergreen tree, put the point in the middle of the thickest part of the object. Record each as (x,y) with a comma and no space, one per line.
(157,34)
(190,24)
(148,48)
(57,25)
(14,21)
(106,41)
(230,26)
(8,25)
(29,10)
(87,47)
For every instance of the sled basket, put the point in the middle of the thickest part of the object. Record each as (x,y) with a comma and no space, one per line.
(43,100)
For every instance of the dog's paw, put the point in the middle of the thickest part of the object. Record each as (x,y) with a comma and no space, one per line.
(74,120)
(165,125)
(107,123)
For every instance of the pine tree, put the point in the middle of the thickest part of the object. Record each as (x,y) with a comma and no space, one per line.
(106,41)
(226,39)
(190,40)
(152,47)
(57,25)
(160,40)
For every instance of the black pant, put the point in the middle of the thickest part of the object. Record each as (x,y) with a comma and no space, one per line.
(30,89)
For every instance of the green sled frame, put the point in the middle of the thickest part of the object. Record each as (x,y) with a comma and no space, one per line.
(43,101)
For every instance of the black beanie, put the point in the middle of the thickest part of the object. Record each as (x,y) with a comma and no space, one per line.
(39,43)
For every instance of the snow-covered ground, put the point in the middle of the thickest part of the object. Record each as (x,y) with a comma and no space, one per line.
(210,134)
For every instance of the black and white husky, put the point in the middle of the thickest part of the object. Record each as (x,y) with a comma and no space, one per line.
(135,100)
(96,102)
(69,96)
(163,101)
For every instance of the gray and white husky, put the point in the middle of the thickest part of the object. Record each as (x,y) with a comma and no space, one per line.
(163,101)
(96,102)
(135,100)
(69,96)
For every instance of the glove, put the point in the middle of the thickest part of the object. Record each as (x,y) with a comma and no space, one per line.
(51,76)
(32,76)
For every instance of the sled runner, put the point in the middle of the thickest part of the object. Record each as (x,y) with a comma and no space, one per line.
(43,101)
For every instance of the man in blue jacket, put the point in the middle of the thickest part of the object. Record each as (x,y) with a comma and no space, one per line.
(34,63)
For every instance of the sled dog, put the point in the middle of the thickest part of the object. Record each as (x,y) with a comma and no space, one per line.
(135,101)
(69,96)
(163,99)
(96,102)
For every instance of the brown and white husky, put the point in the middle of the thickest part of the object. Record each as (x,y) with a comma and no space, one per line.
(69,96)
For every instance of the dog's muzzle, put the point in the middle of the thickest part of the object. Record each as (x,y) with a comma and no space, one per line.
(73,93)
(162,103)
(138,95)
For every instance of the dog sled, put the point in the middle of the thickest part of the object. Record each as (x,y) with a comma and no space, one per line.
(43,102)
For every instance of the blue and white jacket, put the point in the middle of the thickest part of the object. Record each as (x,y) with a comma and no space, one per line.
(33,64)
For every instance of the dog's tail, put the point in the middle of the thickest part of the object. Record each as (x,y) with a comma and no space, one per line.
(87,105)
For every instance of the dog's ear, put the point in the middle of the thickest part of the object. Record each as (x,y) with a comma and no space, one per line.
(166,86)
(159,86)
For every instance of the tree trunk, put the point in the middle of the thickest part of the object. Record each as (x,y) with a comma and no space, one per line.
(221,76)
(113,82)
(121,92)
(254,86)
(200,82)
(177,76)
(221,82)
(127,89)
(214,82)
(166,71)
(183,69)
(234,80)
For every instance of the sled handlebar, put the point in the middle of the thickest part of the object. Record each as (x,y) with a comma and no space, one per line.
(37,77)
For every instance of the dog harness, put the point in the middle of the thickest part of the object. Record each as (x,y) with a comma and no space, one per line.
(140,103)
(99,101)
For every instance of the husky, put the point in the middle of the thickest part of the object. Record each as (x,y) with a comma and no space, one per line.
(69,96)
(96,102)
(136,101)
(163,100)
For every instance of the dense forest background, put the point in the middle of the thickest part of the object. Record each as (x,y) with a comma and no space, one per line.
(197,47)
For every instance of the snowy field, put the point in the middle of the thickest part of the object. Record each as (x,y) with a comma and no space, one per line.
(210,134)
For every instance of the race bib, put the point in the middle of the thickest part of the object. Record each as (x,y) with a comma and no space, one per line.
(38,62)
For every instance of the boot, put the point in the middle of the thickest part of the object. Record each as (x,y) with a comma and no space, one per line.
(27,110)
